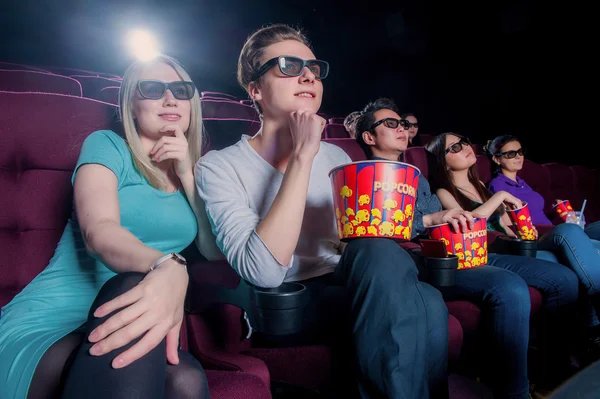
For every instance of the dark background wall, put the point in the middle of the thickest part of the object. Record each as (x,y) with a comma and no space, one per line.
(479,68)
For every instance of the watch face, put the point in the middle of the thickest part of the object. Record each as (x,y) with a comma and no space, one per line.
(179,259)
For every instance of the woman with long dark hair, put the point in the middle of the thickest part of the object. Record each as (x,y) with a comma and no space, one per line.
(455,178)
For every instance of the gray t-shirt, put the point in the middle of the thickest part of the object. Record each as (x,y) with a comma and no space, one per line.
(238,187)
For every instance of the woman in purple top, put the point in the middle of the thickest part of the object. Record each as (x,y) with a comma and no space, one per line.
(568,242)
(508,155)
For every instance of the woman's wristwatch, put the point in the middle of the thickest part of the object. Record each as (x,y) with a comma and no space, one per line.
(176,257)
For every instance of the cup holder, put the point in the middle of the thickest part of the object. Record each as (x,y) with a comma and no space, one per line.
(280,311)
(286,296)
(441,272)
(516,246)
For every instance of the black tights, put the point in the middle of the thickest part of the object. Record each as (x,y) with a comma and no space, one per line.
(69,370)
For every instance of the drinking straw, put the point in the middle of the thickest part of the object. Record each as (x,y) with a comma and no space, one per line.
(583,207)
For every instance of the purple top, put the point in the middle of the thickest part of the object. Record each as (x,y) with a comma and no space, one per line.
(525,193)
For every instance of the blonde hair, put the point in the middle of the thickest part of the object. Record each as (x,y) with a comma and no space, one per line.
(126,97)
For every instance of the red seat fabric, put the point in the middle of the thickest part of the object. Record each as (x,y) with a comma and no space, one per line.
(12,66)
(225,121)
(562,183)
(336,121)
(418,157)
(110,94)
(586,181)
(484,168)
(455,338)
(224,109)
(236,385)
(539,179)
(335,131)
(351,147)
(92,85)
(217,95)
(41,82)
(81,72)
(422,139)
(40,137)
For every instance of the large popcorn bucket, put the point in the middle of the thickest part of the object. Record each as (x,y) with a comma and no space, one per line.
(522,220)
(563,208)
(374,199)
(469,246)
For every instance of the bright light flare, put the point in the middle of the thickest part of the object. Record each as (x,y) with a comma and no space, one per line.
(142,44)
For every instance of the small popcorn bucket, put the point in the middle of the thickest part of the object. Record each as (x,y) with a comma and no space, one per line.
(563,208)
(522,220)
(469,246)
(374,199)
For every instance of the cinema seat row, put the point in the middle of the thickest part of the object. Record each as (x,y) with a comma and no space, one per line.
(35,168)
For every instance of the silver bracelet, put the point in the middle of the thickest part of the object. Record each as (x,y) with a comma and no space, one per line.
(176,257)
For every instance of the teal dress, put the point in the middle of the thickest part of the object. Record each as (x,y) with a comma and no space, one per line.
(57,301)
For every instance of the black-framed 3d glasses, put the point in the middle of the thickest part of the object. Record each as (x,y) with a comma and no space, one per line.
(293,66)
(511,154)
(392,123)
(458,147)
(155,89)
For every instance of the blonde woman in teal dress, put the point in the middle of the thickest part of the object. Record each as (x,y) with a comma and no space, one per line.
(103,319)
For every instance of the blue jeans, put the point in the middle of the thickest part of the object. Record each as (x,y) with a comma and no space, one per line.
(500,288)
(397,325)
(400,325)
(568,244)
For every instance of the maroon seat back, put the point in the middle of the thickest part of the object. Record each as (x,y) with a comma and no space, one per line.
(336,121)
(225,121)
(417,156)
(110,94)
(539,179)
(42,82)
(484,168)
(223,109)
(92,85)
(477,149)
(217,95)
(350,146)
(588,188)
(422,139)
(335,131)
(562,184)
(81,72)
(40,138)
(12,66)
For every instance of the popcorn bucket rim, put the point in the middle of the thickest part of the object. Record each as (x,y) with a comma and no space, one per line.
(448,224)
(518,209)
(555,205)
(373,161)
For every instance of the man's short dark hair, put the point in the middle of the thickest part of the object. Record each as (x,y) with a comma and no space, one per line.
(367,119)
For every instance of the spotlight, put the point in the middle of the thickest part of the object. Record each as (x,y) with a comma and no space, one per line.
(143,45)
